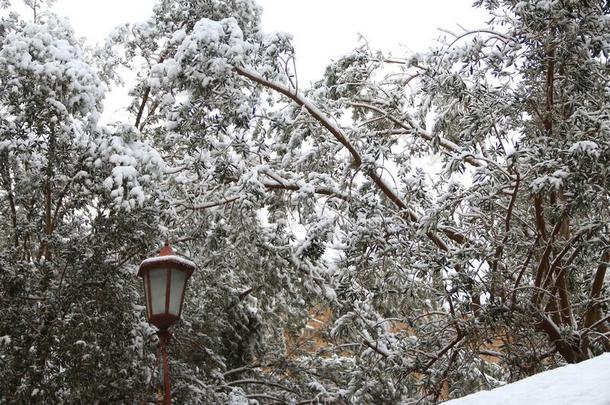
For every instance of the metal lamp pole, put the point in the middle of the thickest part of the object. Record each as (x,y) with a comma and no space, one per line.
(165,278)
(164,338)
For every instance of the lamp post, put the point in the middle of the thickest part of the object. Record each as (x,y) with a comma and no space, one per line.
(165,278)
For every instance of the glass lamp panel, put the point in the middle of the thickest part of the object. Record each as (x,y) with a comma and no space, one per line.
(176,288)
(146,295)
(158,279)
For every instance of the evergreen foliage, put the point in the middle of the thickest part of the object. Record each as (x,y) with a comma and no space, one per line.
(337,264)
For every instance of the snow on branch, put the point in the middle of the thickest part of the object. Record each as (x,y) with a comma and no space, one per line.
(303,102)
(339,135)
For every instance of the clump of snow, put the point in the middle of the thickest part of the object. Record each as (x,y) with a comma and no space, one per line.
(586,147)
(330,294)
(212,45)
(48,56)
(555,180)
(236,399)
(134,162)
(582,383)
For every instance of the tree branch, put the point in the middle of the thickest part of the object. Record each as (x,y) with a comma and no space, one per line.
(376,348)
(596,289)
(258,382)
(413,129)
(311,109)
(544,265)
(327,123)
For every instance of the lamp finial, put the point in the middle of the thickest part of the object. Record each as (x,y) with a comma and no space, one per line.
(166,250)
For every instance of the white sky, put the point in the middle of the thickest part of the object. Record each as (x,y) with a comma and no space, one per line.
(322,29)
(326,29)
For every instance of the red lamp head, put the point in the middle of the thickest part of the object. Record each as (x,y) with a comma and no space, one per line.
(165,279)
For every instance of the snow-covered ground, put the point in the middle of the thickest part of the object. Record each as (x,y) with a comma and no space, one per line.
(586,383)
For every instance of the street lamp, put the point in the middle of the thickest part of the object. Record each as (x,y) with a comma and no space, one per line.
(165,278)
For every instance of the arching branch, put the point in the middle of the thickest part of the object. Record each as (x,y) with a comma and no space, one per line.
(340,136)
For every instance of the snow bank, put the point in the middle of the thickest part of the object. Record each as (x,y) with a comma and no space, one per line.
(582,383)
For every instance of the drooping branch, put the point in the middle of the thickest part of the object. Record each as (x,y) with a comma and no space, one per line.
(291,186)
(376,348)
(269,185)
(311,109)
(240,369)
(498,35)
(339,135)
(259,382)
(413,129)
(267,397)
(210,204)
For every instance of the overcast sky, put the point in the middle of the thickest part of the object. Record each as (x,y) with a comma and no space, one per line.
(322,29)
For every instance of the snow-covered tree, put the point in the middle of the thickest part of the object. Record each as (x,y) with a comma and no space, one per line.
(71,329)
(443,214)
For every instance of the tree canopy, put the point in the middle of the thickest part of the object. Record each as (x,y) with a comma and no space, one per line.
(409,228)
